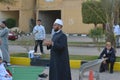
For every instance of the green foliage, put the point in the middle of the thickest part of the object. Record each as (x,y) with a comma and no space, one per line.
(92,12)
(96,33)
(11,22)
(112,10)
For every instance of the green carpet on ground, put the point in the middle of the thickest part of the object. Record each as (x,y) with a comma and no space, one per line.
(25,72)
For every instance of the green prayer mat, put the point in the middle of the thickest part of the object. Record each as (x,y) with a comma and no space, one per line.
(25,72)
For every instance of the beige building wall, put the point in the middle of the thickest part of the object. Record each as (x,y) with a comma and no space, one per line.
(70,14)
(10,11)
(72,17)
(24,20)
(26,14)
(7,7)
(10,14)
(25,10)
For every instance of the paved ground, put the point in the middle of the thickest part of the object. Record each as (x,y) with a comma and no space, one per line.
(103,76)
(75,51)
(72,50)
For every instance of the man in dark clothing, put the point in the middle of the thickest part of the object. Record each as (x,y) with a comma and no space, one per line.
(109,53)
(59,58)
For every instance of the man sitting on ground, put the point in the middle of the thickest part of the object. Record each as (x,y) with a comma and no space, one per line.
(109,53)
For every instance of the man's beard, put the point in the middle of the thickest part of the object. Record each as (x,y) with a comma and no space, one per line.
(56,29)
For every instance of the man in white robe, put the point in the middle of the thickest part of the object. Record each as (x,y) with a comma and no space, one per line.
(4,42)
(4,75)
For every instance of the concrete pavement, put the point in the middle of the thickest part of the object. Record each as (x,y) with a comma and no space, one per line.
(74,51)
(103,76)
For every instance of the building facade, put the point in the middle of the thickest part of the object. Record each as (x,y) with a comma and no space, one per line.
(46,10)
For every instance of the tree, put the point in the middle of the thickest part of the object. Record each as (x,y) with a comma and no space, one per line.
(11,22)
(93,13)
(111,10)
(96,34)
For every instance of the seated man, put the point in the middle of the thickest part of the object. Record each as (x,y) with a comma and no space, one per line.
(109,53)
(4,75)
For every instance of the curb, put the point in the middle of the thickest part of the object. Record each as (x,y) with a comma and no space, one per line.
(75,64)
(20,61)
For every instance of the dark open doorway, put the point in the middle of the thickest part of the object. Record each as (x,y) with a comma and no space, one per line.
(48,18)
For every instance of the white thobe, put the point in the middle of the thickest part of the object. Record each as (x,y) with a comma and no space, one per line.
(3,72)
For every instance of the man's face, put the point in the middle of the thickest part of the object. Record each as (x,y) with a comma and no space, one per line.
(108,47)
(39,22)
(0,60)
(56,27)
(2,25)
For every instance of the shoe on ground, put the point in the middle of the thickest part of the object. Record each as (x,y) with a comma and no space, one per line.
(8,64)
(43,75)
(111,72)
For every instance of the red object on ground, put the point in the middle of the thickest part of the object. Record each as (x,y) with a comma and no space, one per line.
(91,76)
(12,36)
(9,72)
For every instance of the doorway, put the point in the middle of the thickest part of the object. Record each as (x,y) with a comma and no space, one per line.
(48,18)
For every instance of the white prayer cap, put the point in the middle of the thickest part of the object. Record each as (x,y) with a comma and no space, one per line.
(59,21)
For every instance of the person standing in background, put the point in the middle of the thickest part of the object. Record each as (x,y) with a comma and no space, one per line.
(117,34)
(39,35)
(59,56)
(4,42)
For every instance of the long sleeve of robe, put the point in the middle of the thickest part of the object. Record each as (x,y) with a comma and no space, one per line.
(4,45)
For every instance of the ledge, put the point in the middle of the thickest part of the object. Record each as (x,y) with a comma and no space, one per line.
(45,62)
